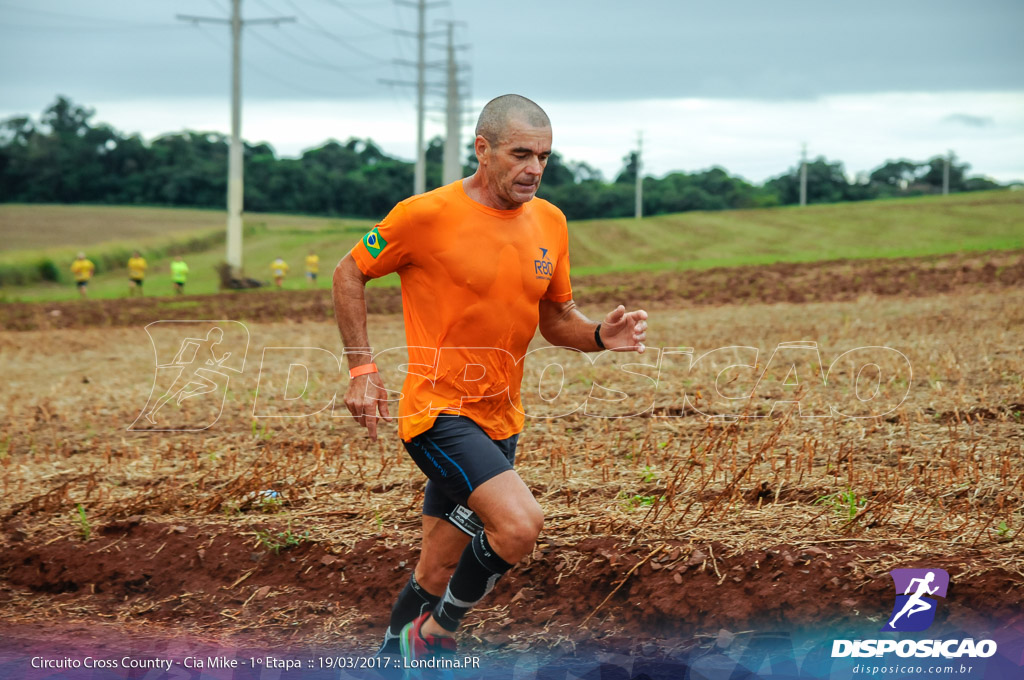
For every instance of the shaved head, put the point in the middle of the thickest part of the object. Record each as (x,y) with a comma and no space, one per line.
(495,117)
(512,146)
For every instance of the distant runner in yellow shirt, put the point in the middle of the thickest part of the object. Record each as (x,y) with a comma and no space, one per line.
(136,273)
(312,268)
(280,269)
(82,268)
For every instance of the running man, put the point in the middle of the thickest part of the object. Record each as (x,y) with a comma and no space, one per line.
(312,268)
(914,603)
(280,269)
(136,273)
(482,262)
(82,268)
(179,274)
(197,381)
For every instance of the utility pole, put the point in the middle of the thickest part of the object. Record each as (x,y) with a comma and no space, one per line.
(419,184)
(420,179)
(639,207)
(452,169)
(945,173)
(803,174)
(236,187)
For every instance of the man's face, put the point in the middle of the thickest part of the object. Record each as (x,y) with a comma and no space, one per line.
(514,164)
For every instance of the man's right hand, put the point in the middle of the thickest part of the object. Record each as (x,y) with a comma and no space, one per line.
(366,399)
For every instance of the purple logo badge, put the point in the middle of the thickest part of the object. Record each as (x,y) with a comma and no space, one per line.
(914,609)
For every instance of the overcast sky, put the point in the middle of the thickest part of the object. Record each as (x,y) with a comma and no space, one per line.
(738,84)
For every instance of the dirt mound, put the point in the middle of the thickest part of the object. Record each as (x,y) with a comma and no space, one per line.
(784,282)
(136,570)
(833,281)
(174,572)
(295,305)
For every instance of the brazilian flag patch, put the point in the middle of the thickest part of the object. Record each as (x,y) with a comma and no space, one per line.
(374,243)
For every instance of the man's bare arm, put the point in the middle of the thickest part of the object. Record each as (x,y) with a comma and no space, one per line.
(366,396)
(562,324)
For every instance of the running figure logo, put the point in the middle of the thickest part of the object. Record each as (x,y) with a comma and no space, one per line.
(914,610)
(201,365)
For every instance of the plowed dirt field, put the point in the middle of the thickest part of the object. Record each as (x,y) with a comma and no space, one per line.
(662,523)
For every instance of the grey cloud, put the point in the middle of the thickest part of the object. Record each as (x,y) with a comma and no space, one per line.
(570,50)
(969,120)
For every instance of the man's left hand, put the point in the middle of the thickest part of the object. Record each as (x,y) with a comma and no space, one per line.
(623,331)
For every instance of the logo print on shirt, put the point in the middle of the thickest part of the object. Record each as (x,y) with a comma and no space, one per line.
(374,242)
(543,267)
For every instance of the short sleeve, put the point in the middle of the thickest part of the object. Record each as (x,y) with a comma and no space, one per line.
(386,247)
(560,290)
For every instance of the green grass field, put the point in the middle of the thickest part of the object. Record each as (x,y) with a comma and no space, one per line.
(892,228)
(694,240)
(103,230)
(35,227)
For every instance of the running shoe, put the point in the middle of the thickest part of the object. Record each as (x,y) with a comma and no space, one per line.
(389,647)
(389,658)
(420,651)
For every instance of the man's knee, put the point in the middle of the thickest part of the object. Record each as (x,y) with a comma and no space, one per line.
(433,577)
(436,564)
(433,582)
(440,562)
(515,536)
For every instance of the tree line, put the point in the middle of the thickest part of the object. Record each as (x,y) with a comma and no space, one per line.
(66,158)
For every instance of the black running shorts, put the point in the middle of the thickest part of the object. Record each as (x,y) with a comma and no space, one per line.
(457,457)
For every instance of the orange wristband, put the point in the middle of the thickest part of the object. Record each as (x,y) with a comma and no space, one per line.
(362,370)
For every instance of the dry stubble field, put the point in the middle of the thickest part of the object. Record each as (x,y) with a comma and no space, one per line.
(662,527)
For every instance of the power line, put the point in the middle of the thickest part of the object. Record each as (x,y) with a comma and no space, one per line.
(318,60)
(295,41)
(83,17)
(341,41)
(217,41)
(267,5)
(298,10)
(249,65)
(315,27)
(288,83)
(400,48)
(357,16)
(347,72)
(92,30)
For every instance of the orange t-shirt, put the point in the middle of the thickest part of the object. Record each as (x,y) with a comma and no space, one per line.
(472,278)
